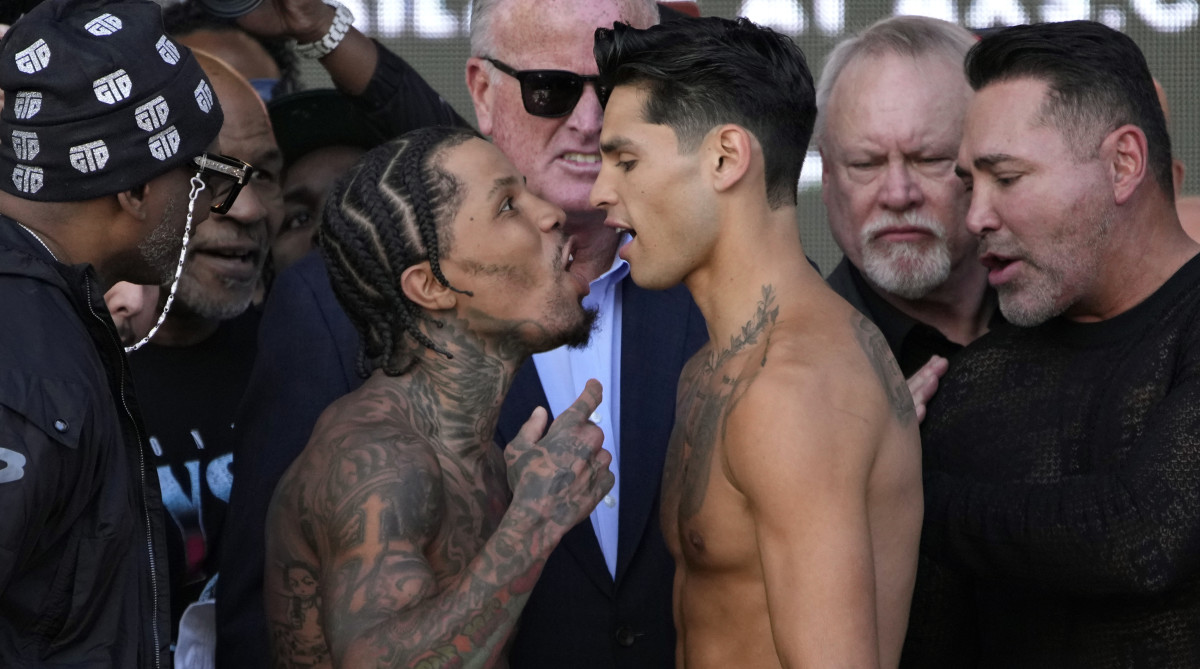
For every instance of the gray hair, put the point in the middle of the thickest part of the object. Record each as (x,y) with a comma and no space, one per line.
(639,13)
(913,36)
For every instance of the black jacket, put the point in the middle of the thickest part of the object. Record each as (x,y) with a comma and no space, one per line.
(82,563)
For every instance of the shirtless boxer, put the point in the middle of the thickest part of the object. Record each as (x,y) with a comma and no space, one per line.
(792,489)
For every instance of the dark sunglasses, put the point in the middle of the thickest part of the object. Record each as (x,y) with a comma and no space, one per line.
(551,93)
(231,175)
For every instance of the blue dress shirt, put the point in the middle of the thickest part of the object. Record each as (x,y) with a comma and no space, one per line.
(564,372)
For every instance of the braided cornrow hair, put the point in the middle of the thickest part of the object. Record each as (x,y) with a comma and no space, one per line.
(390,212)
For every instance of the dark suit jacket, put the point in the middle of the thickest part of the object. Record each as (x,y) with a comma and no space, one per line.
(577,616)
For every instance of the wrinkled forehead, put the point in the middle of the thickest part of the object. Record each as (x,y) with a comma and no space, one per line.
(554,34)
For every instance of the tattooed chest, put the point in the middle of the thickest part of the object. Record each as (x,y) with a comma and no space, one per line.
(710,387)
(470,516)
(696,438)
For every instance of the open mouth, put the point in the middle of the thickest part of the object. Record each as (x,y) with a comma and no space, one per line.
(568,255)
(239,264)
(585,158)
(230,254)
(1000,268)
(620,228)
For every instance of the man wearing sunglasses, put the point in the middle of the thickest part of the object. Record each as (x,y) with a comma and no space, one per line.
(103,118)
(192,373)
(604,598)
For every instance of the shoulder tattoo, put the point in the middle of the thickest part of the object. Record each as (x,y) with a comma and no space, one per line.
(875,346)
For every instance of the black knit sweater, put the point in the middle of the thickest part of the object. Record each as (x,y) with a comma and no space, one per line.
(1062,487)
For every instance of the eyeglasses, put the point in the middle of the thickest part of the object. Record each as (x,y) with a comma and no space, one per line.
(551,93)
(232,174)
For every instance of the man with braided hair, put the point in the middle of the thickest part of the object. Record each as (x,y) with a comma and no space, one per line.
(603,600)
(401,534)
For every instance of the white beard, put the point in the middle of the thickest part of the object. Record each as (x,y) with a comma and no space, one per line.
(907,270)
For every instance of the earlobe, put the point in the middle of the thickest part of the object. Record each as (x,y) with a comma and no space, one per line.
(479,83)
(133,201)
(734,150)
(1130,160)
(424,290)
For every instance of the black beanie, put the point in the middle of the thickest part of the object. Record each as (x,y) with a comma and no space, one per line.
(97,101)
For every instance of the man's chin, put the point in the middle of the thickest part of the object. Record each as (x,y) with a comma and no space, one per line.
(579,336)
(575,336)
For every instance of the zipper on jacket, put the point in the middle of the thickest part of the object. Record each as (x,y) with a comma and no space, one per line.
(142,477)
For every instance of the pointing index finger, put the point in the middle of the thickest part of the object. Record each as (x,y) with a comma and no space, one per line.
(589,399)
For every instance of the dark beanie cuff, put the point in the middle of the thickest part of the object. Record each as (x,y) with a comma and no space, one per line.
(99,101)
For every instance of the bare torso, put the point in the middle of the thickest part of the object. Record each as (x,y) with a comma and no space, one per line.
(734,605)
(374,479)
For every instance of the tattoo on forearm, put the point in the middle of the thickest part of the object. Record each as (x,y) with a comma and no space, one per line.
(876,348)
(421,560)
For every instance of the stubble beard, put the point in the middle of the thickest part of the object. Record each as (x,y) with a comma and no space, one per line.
(214,307)
(908,270)
(1041,298)
(160,249)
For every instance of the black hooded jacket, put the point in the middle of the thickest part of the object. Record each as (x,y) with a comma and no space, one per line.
(82,563)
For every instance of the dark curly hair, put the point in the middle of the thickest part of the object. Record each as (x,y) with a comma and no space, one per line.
(1097,78)
(390,212)
(700,73)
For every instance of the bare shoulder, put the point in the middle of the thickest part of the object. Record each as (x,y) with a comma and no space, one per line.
(848,358)
(826,393)
(357,468)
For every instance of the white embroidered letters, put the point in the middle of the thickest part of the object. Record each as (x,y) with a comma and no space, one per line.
(35,58)
(103,25)
(25,144)
(164,144)
(113,88)
(89,157)
(27,104)
(27,179)
(152,115)
(168,50)
(204,96)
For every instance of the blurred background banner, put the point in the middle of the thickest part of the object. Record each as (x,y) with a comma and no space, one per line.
(432,35)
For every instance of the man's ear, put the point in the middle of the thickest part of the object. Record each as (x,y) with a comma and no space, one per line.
(1129,160)
(1177,173)
(424,290)
(731,149)
(479,83)
(133,201)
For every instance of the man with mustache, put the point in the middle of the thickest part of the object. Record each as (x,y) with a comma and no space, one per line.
(891,103)
(192,372)
(1060,456)
(108,159)
(402,536)
(604,598)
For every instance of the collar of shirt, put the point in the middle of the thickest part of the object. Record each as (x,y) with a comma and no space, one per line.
(563,373)
(911,341)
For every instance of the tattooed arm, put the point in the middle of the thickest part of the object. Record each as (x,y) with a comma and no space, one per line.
(382,604)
